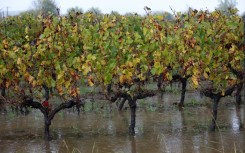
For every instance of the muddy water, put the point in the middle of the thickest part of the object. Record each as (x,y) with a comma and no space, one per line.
(160,127)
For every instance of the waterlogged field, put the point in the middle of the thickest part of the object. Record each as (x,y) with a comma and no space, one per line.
(120,54)
(160,127)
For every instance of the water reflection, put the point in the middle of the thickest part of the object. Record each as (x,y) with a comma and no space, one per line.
(235,119)
(99,132)
(47,147)
(133,145)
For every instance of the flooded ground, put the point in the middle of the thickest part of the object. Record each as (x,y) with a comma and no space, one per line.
(160,127)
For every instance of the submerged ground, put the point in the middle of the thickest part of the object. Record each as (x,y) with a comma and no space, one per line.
(160,127)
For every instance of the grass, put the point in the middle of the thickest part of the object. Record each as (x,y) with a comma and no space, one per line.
(151,108)
(172,89)
(84,89)
(194,103)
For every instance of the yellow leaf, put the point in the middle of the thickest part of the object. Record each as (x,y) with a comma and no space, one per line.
(195,71)
(75,29)
(19,61)
(103,62)
(194,80)
(64,67)
(224,68)
(169,76)
(233,48)
(86,69)
(17,88)
(59,28)
(43,63)
(30,79)
(237,58)
(26,30)
(77,90)
(130,64)
(183,51)
(205,75)
(26,75)
(141,77)
(34,83)
(27,46)
(207,69)
(90,81)
(122,79)
(4,42)
(17,74)
(60,75)
(93,57)
(27,37)
(67,84)
(157,65)
(15,48)
(160,17)
(129,74)
(60,90)
(73,92)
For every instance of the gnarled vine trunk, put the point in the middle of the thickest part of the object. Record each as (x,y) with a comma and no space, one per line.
(183,91)
(48,115)
(132,105)
(140,94)
(3,94)
(121,104)
(183,81)
(240,76)
(238,94)
(216,98)
(47,124)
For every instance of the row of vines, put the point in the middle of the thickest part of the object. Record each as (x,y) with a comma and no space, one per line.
(119,55)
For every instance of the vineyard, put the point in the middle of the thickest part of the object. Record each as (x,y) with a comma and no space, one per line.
(54,56)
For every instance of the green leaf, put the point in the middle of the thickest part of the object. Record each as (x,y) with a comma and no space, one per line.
(153,71)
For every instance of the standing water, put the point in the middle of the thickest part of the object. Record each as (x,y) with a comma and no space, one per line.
(160,127)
